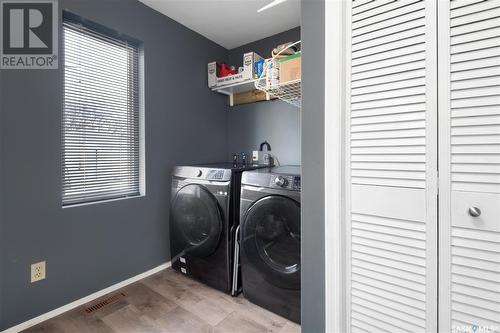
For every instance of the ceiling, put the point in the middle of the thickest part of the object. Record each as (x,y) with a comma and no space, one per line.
(230,23)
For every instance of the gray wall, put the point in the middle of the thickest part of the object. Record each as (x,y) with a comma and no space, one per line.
(313,161)
(2,240)
(91,247)
(274,121)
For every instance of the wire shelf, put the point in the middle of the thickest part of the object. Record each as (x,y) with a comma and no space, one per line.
(289,92)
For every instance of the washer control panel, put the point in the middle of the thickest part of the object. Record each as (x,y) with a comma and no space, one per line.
(296,184)
(286,182)
(281,181)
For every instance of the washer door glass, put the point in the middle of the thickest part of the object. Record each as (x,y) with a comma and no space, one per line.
(271,240)
(196,220)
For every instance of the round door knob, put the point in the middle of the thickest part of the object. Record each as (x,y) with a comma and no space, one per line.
(474,212)
(281,181)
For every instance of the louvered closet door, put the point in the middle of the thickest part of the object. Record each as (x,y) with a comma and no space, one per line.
(392,204)
(469,62)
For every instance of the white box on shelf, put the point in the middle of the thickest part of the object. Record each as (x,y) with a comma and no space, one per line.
(212,74)
(249,60)
(235,78)
(247,74)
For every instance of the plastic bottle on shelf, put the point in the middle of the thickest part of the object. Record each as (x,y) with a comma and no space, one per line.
(272,78)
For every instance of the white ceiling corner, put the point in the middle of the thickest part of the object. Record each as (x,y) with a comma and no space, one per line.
(230,23)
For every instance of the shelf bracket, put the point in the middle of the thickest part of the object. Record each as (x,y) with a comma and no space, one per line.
(228,93)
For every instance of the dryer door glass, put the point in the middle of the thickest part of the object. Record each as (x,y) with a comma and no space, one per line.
(196,221)
(271,239)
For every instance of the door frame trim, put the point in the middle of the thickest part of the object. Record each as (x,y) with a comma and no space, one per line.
(335,99)
(431,164)
(444,158)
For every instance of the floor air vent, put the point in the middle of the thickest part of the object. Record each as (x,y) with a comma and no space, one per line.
(110,300)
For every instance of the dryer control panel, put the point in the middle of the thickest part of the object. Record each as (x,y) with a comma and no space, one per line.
(216,174)
(203,173)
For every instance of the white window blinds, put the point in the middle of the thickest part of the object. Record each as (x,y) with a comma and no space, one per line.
(100,125)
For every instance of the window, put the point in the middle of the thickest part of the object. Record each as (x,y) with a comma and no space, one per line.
(101,145)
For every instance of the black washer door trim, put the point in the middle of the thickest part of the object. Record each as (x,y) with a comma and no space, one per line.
(270,238)
(196,220)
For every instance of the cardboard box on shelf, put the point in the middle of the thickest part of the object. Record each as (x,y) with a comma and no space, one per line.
(290,68)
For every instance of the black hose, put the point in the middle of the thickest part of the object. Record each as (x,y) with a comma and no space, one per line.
(265,143)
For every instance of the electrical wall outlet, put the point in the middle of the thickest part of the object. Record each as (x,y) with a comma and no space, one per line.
(38,271)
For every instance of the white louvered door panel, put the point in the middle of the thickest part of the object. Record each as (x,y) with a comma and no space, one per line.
(392,184)
(469,61)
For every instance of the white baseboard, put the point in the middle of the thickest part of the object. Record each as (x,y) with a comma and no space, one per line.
(86,299)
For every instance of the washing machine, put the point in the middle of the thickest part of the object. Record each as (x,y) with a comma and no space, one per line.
(204,214)
(269,239)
